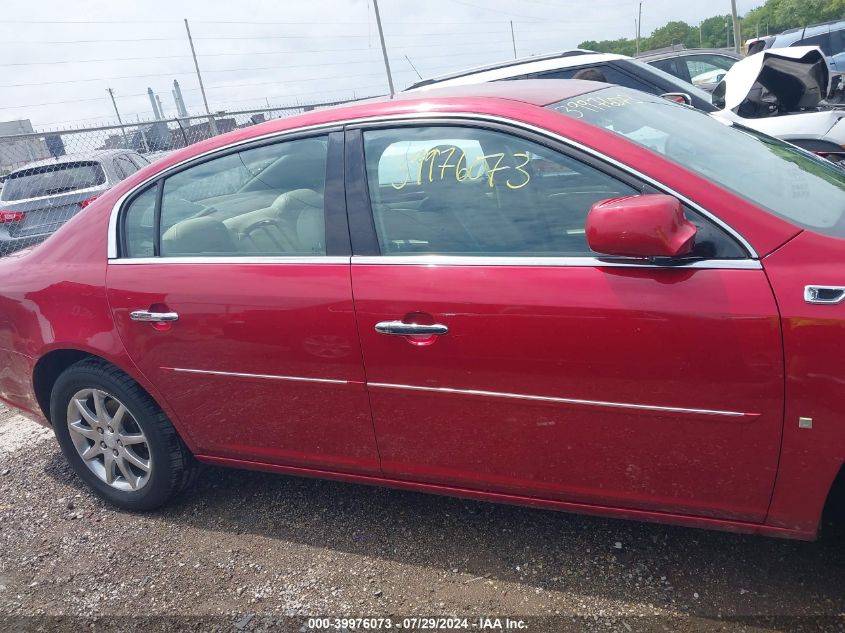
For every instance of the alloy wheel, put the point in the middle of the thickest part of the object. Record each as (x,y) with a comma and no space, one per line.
(109,440)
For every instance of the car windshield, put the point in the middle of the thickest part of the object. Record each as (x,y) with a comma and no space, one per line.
(49,180)
(776,176)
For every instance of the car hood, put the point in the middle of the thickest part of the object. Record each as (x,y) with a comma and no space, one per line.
(798,77)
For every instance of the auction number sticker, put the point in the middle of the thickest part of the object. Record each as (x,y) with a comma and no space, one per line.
(576,107)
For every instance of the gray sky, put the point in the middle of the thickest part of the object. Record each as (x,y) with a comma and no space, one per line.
(59,56)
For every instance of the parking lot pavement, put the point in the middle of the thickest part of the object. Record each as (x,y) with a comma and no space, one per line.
(241,550)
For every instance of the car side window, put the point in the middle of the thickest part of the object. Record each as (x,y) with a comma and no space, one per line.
(468,191)
(613,75)
(673,66)
(707,69)
(124,166)
(263,201)
(138,221)
(822,40)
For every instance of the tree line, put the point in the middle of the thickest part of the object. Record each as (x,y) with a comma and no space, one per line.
(717,32)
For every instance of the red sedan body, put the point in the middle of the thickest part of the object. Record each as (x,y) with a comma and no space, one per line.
(706,395)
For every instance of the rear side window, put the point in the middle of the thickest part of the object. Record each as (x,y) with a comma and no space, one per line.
(49,180)
(613,76)
(673,66)
(822,40)
(124,166)
(264,201)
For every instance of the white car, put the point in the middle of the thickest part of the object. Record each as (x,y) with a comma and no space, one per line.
(781,92)
(802,121)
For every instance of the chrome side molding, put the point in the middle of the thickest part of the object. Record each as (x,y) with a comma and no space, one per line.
(824,295)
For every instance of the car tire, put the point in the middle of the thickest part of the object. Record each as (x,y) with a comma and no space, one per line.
(117,439)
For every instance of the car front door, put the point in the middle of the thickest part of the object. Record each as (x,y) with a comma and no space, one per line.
(231,293)
(502,354)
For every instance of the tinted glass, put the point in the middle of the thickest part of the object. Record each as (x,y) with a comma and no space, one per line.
(672,66)
(51,180)
(612,75)
(262,201)
(821,40)
(138,225)
(466,191)
(789,182)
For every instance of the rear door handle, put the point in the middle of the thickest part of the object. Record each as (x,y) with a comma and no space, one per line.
(400,328)
(153,317)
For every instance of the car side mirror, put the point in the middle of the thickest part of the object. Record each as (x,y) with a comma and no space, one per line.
(678,97)
(648,225)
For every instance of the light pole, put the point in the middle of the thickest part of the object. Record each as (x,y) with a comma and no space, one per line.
(383,49)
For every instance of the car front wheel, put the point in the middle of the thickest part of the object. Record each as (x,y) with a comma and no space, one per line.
(116,438)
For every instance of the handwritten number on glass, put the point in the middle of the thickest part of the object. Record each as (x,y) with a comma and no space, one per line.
(462,169)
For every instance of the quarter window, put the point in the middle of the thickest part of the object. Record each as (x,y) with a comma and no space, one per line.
(138,220)
(466,191)
(264,201)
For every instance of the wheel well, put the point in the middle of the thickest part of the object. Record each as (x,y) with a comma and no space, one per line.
(833,517)
(47,370)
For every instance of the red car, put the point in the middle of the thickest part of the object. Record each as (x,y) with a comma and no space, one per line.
(554,293)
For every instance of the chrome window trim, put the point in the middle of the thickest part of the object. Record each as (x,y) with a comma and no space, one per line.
(421,117)
(210,372)
(596,403)
(597,262)
(234,259)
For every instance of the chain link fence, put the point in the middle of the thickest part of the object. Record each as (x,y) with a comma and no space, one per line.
(48,177)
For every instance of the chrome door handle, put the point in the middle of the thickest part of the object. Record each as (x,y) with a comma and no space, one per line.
(829,295)
(410,329)
(153,317)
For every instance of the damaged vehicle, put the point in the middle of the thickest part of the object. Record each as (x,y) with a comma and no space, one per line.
(786,93)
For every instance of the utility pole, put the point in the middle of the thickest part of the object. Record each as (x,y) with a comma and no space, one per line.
(737,34)
(384,49)
(513,41)
(700,37)
(212,123)
(639,26)
(119,120)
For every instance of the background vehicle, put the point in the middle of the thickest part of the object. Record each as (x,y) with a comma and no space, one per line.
(782,92)
(535,287)
(702,67)
(829,37)
(39,197)
(757,44)
(618,69)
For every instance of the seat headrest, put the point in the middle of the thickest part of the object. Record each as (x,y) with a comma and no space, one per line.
(311,231)
(293,202)
(197,236)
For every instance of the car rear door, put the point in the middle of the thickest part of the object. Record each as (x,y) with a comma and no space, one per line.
(502,354)
(231,293)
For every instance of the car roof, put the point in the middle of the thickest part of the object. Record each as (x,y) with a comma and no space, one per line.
(683,52)
(539,92)
(506,70)
(814,29)
(96,155)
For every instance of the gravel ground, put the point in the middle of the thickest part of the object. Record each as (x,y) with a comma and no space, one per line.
(245,551)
